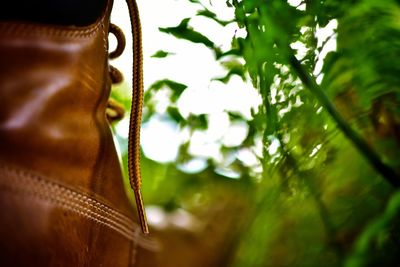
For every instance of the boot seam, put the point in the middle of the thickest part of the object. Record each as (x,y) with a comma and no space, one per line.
(23,182)
(25,29)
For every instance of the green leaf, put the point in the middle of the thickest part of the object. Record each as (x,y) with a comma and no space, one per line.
(198,122)
(234,67)
(184,31)
(211,15)
(168,83)
(174,113)
(176,88)
(162,54)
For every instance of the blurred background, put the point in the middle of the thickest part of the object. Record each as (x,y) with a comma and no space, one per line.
(271,130)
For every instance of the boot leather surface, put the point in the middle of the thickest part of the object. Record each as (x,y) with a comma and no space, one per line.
(61,190)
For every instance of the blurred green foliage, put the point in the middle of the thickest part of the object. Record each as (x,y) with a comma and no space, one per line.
(319,199)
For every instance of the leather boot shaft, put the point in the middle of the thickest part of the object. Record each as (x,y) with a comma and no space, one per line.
(54,88)
(60,178)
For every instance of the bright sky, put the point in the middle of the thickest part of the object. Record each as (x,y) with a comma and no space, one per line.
(193,65)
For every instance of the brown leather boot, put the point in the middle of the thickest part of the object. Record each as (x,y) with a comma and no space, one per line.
(61,190)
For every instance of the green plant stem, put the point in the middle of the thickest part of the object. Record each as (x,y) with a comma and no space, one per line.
(322,209)
(362,146)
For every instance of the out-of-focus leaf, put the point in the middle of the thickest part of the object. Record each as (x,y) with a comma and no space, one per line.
(225,79)
(176,88)
(169,83)
(234,52)
(211,15)
(234,67)
(174,113)
(121,93)
(198,122)
(235,116)
(368,242)
(162,54)
(184,31)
